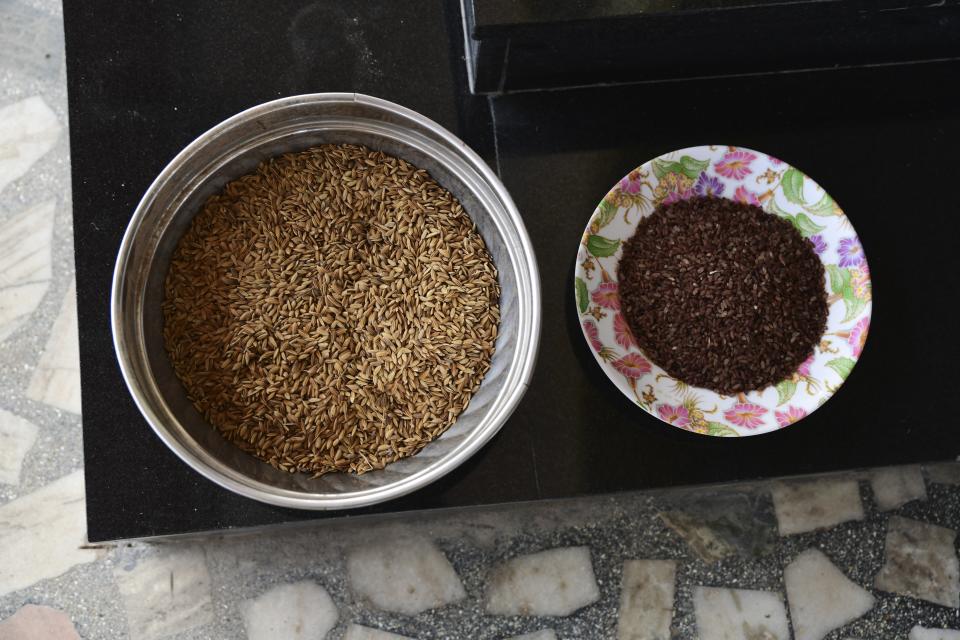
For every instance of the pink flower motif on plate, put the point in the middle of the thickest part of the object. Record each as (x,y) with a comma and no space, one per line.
(735,165)
(632,365)
(745,414)
(804,368)
(631,183)
(745,196)
(860,281)
(678,416)
(858,336)
(677,196)
(593,335)
(788,417)
(621,332)
(606,295)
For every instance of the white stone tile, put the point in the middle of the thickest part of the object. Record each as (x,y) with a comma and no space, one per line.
(944,473)
(550,583)
(166,593)
(409,576)
(56,380)
(297,611)
(923,633)
(41,534)
(821,597)
(16,437)
(807,505)
(542,634)
(920,562)
(25,267)
(739,614)
(896,486)
(646,599)
(33,622)
(28,129)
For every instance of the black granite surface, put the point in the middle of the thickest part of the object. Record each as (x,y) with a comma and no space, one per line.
(144,80)
(523,45)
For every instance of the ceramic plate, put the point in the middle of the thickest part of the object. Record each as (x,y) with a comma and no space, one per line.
(781,190)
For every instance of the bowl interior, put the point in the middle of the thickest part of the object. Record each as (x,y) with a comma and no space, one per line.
(219,158)
(746,176)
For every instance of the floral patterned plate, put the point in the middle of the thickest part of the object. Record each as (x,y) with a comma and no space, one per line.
(746,176)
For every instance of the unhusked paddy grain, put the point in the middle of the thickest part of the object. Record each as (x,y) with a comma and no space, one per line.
(334,310)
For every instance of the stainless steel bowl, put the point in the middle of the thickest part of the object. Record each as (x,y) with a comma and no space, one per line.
(234,148)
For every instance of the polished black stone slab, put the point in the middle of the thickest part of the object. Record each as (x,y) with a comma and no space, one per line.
(145,79)
(523,45)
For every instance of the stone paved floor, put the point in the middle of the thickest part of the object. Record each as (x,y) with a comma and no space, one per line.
(859,555)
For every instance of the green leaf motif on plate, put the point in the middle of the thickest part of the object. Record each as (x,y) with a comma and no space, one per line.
(785,391)
(839,280)
(720,429)
(854,304)
(602,247)
(690,167)
(607,212)
(774,208)
(802,223)
(842,366)
(583,298)
(841,285)
(792,183)
(825,206)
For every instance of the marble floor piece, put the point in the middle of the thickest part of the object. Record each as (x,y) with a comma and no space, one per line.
(894,487)
(404,576)
(28,129)
(923,633)
(646,599)
(56,380)
(920,561)
(25,264)
(739,614)
(555,582)
(298,611)
(805,505)
(33,622)
(166,592)
(17,435)
(821,597)
(42,534)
